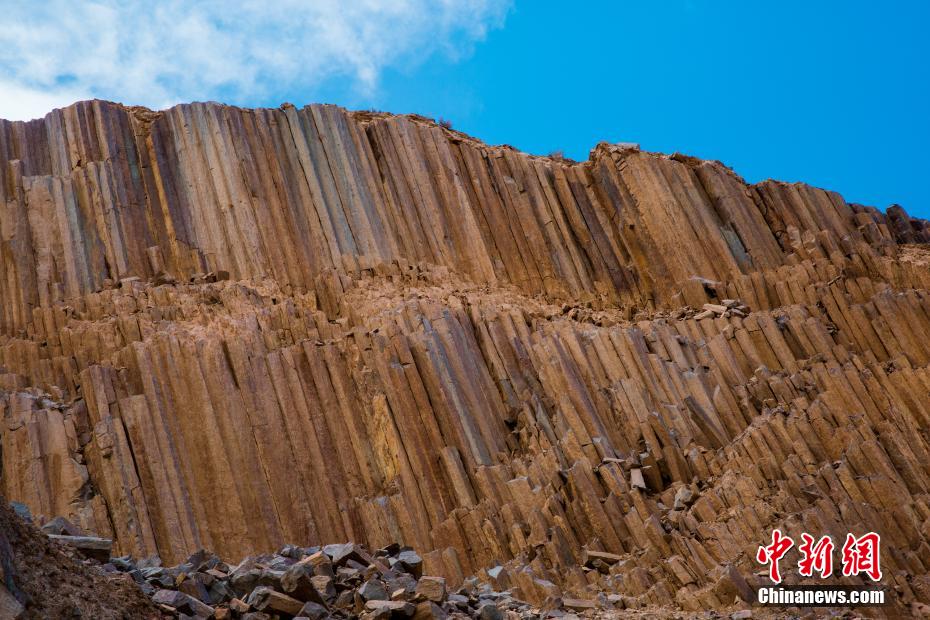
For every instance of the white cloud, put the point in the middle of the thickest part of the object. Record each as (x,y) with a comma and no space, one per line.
(157,53)
(19,102)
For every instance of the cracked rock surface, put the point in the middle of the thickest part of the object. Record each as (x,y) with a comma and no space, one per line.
(235,329)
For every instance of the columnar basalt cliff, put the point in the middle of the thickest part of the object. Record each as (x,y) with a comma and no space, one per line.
(231,329)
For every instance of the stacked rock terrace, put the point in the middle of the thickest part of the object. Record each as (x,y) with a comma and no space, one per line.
(230,329)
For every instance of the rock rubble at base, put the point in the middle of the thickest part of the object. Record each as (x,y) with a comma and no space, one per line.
(44,578)
(335,581)
(295,583)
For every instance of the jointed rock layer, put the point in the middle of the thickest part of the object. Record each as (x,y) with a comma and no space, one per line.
(232,329)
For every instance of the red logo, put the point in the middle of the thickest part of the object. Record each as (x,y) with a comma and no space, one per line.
(860,555)
(774,552)
(817,557)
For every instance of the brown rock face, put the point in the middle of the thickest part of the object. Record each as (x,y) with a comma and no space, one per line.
(232,329)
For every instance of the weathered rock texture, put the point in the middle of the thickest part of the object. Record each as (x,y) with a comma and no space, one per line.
(231,329)
(41,580)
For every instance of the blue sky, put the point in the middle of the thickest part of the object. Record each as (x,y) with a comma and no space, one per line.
(836,94)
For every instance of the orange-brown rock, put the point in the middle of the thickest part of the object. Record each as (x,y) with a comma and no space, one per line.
(232,329)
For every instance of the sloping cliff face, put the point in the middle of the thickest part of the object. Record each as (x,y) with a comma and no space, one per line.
(231,329)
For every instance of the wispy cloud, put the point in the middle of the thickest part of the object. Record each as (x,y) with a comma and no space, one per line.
(157,53)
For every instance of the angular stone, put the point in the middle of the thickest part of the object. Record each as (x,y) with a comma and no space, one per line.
(432,588)
(62,527)
(399,609)
(341,554)
(320,563)
(263,598)
(324,586)
(22,510)
(490,611)
(297,582)
(428,610)
(410,562)
(195,589)
(182,602)
(578,604)
(590,556)
(373,590)
(313,611)
(683,498)
(90,546)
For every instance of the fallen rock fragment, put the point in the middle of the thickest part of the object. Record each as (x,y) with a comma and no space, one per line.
(683,498)
(313,611)
(591,555)
(182,603)
(432,588)
(264,598)
(284,585)
(389,609)
(90,546)
(410,562)
(297,581)
(61,527)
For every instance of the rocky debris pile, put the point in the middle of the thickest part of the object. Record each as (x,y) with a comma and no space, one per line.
(726,308)
(335,581)
(40,579)
(92,547)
